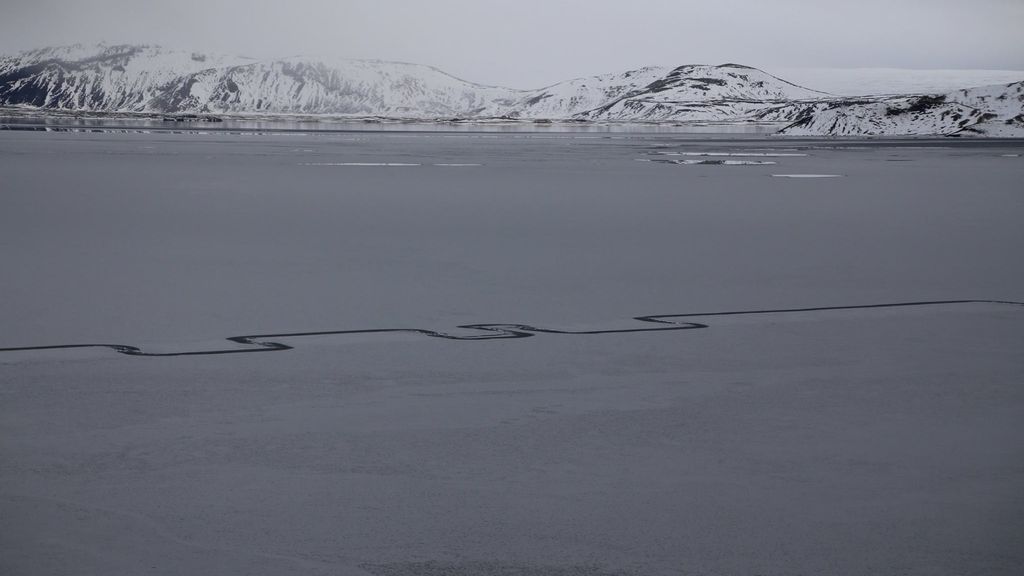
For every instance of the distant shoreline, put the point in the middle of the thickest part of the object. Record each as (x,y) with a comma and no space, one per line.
(38,119)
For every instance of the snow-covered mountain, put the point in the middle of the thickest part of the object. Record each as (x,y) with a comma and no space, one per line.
(151,79)
(985,111)
(691,92)
(98,78)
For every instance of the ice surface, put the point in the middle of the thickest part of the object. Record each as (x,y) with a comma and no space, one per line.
(844,442)
(716,162)
(757,154)
(807,175)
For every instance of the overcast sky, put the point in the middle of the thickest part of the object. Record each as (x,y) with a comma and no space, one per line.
(528,43)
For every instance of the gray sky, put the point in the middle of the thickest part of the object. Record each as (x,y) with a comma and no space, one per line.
(528,43)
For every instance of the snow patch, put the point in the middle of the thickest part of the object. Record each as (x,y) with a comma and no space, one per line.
(807,175)
(740,154)
(716,162)
(390,164)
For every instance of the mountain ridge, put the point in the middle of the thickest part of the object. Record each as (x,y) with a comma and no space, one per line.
(127,78)
(148,78)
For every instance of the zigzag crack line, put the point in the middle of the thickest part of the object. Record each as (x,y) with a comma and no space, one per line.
(492,331)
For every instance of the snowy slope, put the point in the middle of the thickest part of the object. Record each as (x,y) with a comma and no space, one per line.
(700,92)
(152,79)
(580,95)
(989,111)
(894,81)
(109,78)
(354,87)
(1002,105)
(692,92)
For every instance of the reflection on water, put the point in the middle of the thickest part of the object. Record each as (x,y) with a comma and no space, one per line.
(33,121)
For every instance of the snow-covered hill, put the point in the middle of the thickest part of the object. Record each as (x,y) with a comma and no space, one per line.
(151,79)
(726,92)
(691,92)
(986,111)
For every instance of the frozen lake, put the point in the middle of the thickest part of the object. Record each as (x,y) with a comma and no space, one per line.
(866,440)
